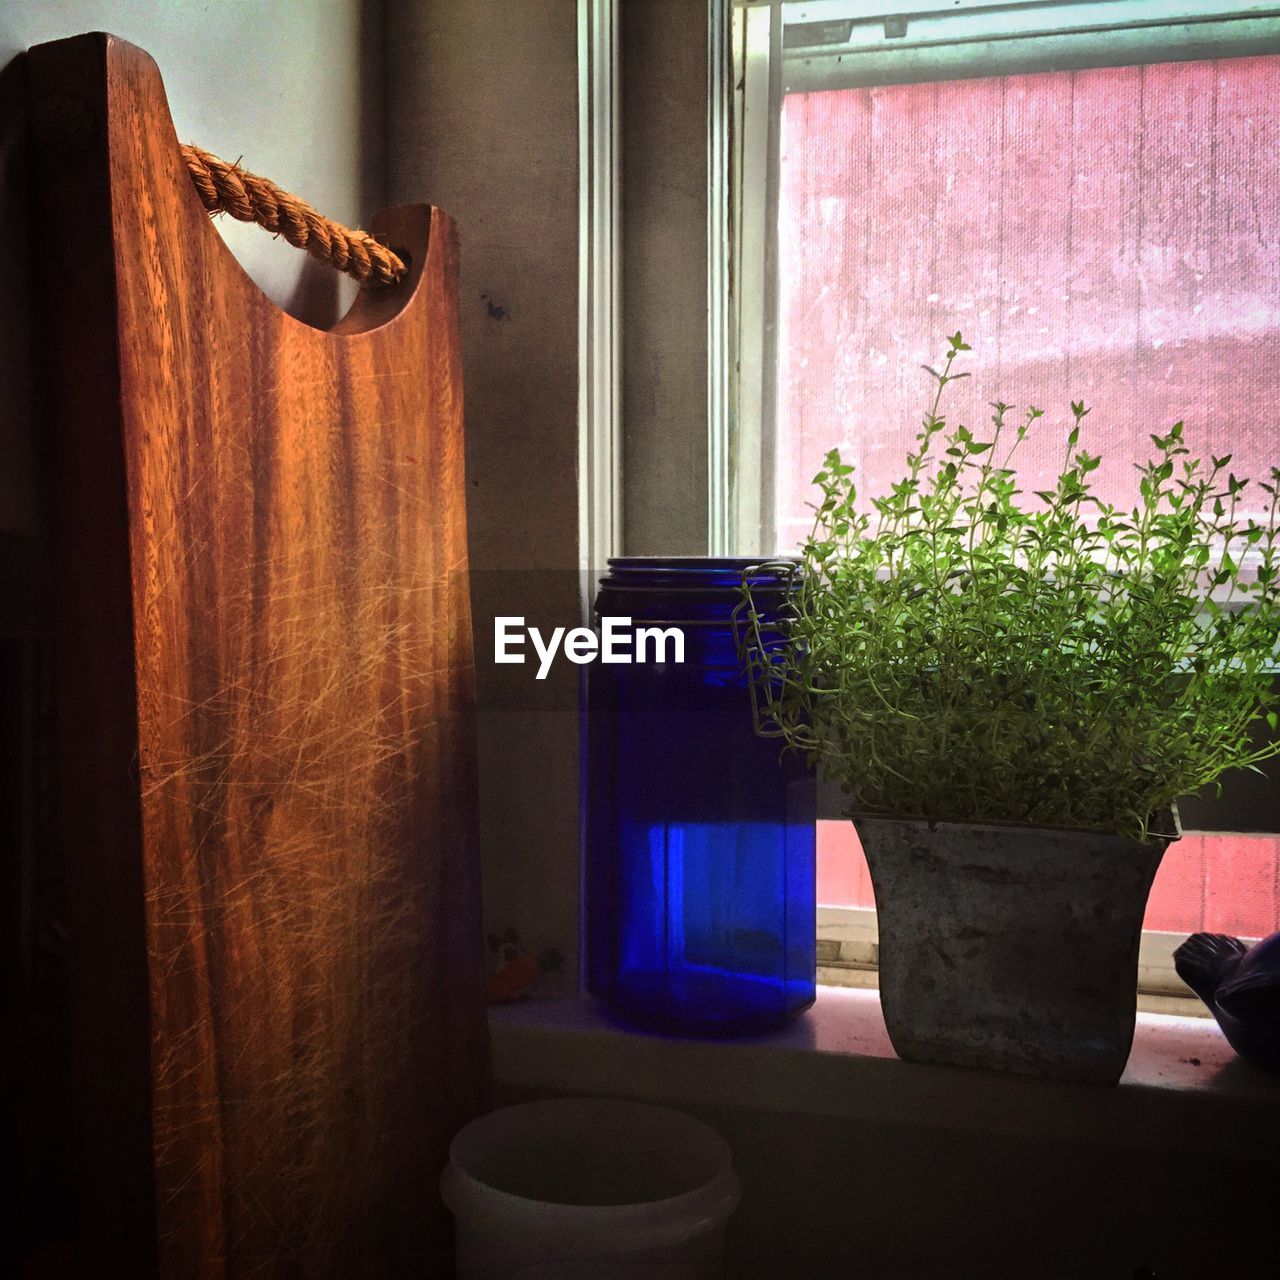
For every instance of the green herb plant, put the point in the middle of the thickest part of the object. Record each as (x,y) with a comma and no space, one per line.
(963,652)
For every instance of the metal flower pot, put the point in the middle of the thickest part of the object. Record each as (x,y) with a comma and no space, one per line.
(1011,947)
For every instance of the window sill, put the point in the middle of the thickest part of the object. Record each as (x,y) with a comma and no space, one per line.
(841,973)
(1184,1090)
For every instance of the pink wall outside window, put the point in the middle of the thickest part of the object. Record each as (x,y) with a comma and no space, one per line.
(1111,235)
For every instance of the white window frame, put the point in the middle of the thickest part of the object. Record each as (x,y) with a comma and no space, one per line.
(599,292)
(866,42)
(749,69)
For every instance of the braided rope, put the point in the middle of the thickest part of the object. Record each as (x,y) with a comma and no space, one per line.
(226,188)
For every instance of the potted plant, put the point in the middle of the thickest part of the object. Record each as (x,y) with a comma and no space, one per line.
(1012,690)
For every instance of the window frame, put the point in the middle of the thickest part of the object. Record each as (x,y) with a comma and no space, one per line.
(741,131)
(849,939)
(943,39)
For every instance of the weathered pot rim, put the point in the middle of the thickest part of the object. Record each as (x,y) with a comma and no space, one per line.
(1166,828)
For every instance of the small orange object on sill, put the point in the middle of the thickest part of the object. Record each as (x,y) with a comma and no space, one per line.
(514,974)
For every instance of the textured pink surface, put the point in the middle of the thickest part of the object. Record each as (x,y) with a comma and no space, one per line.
(1225,883)
(1110,235)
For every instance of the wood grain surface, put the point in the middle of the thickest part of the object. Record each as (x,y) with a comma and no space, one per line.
(267,717)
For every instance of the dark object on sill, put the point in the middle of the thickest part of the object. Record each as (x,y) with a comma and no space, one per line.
(1011,947)
(1241,986)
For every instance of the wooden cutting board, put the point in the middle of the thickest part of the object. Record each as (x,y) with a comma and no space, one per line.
(266,674)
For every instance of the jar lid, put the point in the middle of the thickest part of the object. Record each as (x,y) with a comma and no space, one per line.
(700,574)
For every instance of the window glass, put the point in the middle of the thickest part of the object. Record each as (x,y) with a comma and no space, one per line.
(1107,235)
(1220,883)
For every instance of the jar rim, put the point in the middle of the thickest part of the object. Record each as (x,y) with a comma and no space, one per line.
(712,575)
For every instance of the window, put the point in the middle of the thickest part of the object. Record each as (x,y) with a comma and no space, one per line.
(1091,193)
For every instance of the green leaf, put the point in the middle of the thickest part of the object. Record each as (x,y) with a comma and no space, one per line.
(931,606)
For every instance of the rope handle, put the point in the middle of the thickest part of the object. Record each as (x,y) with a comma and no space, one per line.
(226,188)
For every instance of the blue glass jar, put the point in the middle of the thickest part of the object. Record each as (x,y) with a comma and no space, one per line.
(699,875)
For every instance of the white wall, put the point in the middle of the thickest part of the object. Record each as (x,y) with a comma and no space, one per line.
(293,87)
(483,121)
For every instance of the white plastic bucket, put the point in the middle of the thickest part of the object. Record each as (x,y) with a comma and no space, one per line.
(589,1187)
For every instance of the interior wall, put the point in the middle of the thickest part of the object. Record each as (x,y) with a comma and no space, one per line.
(483,121)
(829,1198)
(665,49)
